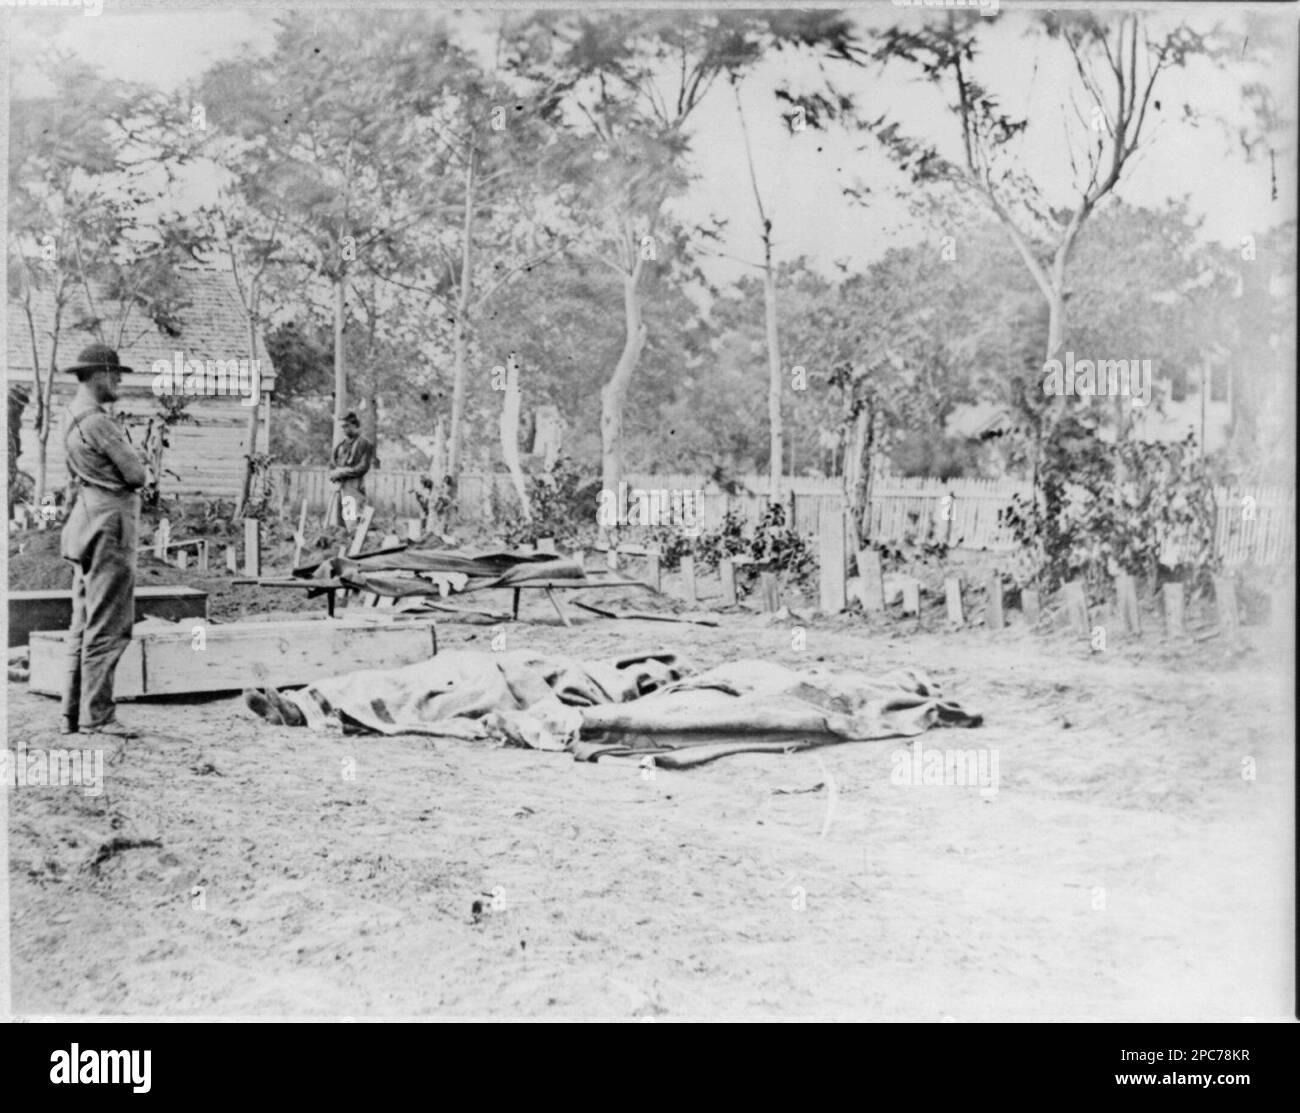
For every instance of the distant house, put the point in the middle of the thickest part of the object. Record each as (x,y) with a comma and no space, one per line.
(1205,409)
(978,421)
(985,424)
(208,454)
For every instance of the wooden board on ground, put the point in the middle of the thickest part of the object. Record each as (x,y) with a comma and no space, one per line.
(245,654)
(770,590)
(52,610)
(651,616)
(474,612)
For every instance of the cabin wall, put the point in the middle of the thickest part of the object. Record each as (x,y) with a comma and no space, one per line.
(208,455)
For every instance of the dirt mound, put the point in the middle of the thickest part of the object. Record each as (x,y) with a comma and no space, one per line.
(34,563)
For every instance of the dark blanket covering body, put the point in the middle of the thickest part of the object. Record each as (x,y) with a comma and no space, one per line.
(651,704)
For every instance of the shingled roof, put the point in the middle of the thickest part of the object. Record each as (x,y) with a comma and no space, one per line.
(213,326)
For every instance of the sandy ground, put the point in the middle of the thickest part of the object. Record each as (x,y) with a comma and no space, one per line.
(1124,868)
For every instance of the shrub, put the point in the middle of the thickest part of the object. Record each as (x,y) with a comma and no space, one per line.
(781,548)
(1106,508)
(562,508)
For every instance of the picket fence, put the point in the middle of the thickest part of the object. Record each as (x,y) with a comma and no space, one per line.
(1256,525)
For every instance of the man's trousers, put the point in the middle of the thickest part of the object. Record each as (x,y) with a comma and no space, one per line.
(339,513)
(99,539)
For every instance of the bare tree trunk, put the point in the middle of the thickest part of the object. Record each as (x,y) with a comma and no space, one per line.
(1055,325)
(776,449)
(459,367)
(246,488)
(340,371)
(437,475)
(370,415)
(41,468)
(1054,293)
(510,434)
(857,474)
(461,350)
(41,419)
(42,458)
(776,445)
(438,455)
(614,393)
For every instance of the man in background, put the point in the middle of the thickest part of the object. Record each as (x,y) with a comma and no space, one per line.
(353,456)
(99,538)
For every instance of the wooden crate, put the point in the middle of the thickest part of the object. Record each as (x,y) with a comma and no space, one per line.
(245,654)
(52,610)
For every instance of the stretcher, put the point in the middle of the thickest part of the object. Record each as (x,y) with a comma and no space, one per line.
(402,572)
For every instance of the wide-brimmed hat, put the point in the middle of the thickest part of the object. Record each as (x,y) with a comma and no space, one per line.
(96,357)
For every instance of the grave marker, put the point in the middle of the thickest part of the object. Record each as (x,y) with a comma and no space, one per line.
(727,570)
(1126,593)
(252,548)
(162,537)
(995,618)
(831,595)
(952,592)
(873,581)
(688,578)
(1076,607)
(912,597)
(1172,597)
(1031,605)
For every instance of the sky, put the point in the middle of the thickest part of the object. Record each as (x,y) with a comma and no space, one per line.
(802,176)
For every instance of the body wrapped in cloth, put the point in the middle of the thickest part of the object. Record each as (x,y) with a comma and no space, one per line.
(644,704)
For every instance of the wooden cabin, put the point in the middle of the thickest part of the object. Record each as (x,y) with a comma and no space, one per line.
(208,453)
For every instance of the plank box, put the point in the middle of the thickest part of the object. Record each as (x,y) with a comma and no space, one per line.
(240,655)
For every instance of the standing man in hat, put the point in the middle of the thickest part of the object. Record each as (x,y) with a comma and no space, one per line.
(352,458)
(99,538)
